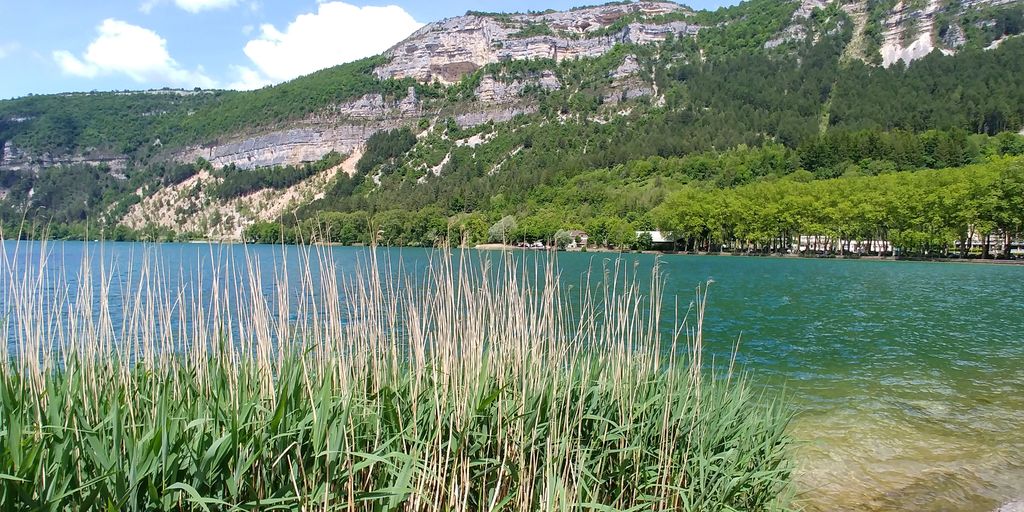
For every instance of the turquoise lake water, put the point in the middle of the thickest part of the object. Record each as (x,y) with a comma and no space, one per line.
(906,378)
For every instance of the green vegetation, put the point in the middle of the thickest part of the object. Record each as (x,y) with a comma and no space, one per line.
(934,212)
(139,124)
(271,106)
(711,115)
(983,26)
(490,399)
(384,148)
(240,182)
(78,200)
(533,30)
(927,213)
(744,27)
(878,11)
(98,123)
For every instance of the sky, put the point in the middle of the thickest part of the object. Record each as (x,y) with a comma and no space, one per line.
(50,46)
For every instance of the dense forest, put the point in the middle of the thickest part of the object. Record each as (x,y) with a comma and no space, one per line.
(957,211)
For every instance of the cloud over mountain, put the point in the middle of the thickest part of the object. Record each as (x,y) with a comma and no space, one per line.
(131,50)
(338,32)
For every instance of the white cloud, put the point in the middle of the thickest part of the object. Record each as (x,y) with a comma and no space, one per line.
(192,6)
(195,6)
(248,79)
(338,32)
(137,52)
(6,49)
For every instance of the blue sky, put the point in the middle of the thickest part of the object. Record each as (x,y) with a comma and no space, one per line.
(49,46)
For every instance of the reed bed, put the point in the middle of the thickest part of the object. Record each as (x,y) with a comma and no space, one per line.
(473,387)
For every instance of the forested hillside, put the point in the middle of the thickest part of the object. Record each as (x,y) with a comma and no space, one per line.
(769,99)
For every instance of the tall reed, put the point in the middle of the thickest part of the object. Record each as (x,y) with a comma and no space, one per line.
(475,386)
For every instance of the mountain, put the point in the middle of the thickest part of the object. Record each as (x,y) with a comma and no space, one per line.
(481,115)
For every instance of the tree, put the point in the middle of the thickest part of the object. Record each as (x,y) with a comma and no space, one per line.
(502,230)
(644,241)
(563,239)
(472,228)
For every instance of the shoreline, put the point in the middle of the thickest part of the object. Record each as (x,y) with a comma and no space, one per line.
(503,247)
(991,261)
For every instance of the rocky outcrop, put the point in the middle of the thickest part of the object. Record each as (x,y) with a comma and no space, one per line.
(449,49)
(629,67)
(342,128)
(627,82)
(807,7)
(444,51)
(287,147)
(497,115)
(187,206)
(16,159)
(954,36)
(910,32)
(374,107)
(492,90)
(974,4)
(796,32)
(317,137)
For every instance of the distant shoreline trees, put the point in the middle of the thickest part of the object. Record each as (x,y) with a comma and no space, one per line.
(960,211)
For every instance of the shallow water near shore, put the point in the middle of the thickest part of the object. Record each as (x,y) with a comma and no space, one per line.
(906,378)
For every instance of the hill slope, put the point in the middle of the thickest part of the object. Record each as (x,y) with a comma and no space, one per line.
(480,113)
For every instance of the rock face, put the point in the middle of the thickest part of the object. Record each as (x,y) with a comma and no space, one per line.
(627,83)
(449,49)
(954,36)
(791,33)
(315,138)
(187,206)
(375,107)
(807,7)
(14,159)
(287,147)
(1013,506)
(342,128)
(910,33)
(492,90)
(500,114)
(629,67)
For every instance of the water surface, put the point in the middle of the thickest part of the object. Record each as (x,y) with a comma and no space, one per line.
(907,378)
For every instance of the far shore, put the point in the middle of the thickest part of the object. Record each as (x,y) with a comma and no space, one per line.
(500,247)
(605,250)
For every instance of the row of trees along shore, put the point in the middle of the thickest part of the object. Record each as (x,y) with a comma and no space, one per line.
(934,212)
(958,211)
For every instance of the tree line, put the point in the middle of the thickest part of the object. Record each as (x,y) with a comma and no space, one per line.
(959,211)
(925,213)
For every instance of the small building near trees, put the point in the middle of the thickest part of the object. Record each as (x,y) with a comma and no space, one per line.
(579,238)
(660,240)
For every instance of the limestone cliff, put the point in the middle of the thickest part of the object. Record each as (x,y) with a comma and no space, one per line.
(344,128)
(13,158)
(447,50)
(915,28)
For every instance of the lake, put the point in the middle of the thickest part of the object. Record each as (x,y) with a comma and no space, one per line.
(906,378)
